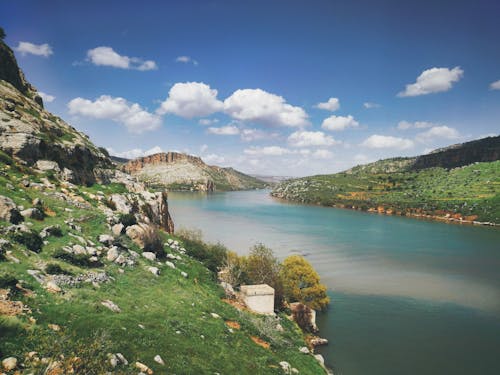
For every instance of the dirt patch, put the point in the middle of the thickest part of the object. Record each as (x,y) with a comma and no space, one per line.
(11,308)
(260,342)
(236,303)
(232,324)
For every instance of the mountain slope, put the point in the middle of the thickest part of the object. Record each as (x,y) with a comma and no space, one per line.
(401,186)
(176,171)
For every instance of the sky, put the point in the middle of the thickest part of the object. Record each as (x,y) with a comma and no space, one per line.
(289,88)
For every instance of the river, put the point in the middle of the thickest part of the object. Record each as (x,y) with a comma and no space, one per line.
(408,296)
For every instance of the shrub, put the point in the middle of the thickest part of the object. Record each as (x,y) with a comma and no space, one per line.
(7,280)
(29,239)
(128,219)
(110,204)
(16,217)
(153,242)
(55,269)
(213,256)
(81,260)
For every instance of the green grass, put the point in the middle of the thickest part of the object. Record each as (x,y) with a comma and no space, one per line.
(175,311)
(473,190)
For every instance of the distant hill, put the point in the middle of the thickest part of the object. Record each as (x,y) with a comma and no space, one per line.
(460,182)
(271,179)
(177,171)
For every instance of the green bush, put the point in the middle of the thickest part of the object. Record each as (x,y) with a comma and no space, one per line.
(29,239)
(56,269)
(7,280)
(213,256)
(81,260)
(128,220)
(153,242)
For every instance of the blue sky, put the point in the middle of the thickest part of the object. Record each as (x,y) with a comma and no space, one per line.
(240,83)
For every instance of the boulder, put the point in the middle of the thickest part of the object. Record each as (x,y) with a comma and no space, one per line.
(9,363)
(170,264)
(8,210)
(137,232)
(117,229)
(285,366)
(33,213)
(149,255)
(159,360)
(106,239)
(154,270)
(47,165)
(52,287)
(142,367)
(113,254)
(121,203)
(304,350)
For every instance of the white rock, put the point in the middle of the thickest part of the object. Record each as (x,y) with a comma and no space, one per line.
(170,264)
(171,256)
(304,350)
(320,359)
(117,229)
(111,305)
(106,239)
(154,270)
(285,366)
(214,315)
(184,274)
(52,287)
(159,360)
(79,249)
(113,253)
(122,358)
(121,259)
(149,255)
(9,363)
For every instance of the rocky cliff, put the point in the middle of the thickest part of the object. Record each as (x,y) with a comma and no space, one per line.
(29,133)
(177,171)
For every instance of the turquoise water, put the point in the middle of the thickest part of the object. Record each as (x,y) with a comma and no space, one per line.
(408,296)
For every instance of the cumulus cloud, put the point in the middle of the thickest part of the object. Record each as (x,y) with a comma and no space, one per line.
(433,80)
(266,151)
(186,60)
(106,56)
(370,105)
(214,159)
(312,138)
(191,99)
(203,148)
(438,132)
(256,105)
(132,115)
(46,97)
(25,48)
(249,135)
(405,125)
(382,141)
(322,154)
(337,123)
(495,85)
(135,152)
(331,105)
(224,130)
(207,121)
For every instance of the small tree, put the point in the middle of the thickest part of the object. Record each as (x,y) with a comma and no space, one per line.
(262,267)
(301,283)
(2,33)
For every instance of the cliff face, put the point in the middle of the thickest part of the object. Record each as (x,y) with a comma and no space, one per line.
(30,133)
(481,150)
(177,171)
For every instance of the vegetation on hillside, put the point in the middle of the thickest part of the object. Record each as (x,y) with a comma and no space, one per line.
(178,314)
(470,192)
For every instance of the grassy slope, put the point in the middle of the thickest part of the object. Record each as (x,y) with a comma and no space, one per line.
(470,190)
(164,305)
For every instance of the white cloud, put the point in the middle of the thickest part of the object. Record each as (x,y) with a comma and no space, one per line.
(106,56)
(224,130)
(186,59)
(331,105)
(382,141)
(306,139)
(437,132)
(370,105)
(46,97)
(135,153)
(433,80)
(266,151)
(495,85)
(339,123)
(322,154)
(203,148)
(257,105)
(191,99)
(25,48)
(249,135)
(405,125)
(132,115)
(207,121)
(213,159)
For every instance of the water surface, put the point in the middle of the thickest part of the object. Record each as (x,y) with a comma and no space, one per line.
(408,296)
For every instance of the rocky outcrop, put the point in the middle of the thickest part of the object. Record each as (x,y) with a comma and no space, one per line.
(176,171)
(481,150)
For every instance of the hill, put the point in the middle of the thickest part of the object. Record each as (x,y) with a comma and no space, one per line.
(92,278)
(176,171)
(458,185)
